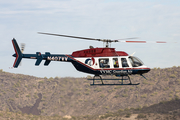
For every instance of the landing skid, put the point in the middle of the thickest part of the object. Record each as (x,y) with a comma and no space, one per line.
(100,78)
(114,84)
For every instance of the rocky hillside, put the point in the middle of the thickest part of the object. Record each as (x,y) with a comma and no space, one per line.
(165,110)
(75,97)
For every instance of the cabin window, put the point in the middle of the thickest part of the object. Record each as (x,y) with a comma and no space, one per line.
(115,63)
(104,63)
(135,61)
(124,62)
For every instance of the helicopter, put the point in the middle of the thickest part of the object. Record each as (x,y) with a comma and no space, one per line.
(96,61)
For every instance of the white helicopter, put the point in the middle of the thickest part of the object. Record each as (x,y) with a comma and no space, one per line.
(96,61)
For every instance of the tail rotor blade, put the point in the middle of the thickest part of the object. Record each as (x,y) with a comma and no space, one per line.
(22,50)
(22,47)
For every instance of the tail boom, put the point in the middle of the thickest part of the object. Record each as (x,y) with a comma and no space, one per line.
(47,56)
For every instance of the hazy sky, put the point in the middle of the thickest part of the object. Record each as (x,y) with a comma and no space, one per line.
(150,20)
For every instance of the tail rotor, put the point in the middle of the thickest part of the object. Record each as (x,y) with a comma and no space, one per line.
(22,50)
(22,47)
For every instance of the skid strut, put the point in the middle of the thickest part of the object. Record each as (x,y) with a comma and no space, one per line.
(99,77)
(128,79)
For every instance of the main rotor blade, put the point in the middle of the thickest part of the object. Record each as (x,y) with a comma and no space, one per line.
(126,38)
(70,36)
(105,40)
(142,41)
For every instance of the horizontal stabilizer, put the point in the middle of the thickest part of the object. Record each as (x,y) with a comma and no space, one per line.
(47,61)
(39,58)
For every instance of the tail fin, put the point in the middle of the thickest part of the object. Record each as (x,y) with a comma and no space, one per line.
(18,54)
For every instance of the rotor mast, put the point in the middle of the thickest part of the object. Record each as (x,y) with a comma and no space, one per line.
(107,42)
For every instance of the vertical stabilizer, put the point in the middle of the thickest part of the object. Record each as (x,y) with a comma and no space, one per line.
(17,54)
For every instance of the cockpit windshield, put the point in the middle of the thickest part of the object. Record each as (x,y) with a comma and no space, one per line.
(135,61)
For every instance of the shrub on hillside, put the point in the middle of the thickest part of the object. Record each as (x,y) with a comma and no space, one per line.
(124,95)
(144,96)
(128,115)
(141,115)
(102,95)
(172,76)
(28,95)
(41,81)
(116,96)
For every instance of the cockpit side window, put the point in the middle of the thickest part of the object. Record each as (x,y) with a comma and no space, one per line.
(104,63)
(135,61)
(115,62)
(124,62)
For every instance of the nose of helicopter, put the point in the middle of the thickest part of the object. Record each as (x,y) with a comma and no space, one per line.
(145,70)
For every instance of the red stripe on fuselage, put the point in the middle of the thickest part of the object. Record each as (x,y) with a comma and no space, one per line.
(80,62)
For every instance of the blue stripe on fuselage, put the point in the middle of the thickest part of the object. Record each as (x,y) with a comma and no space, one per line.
(120,71)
